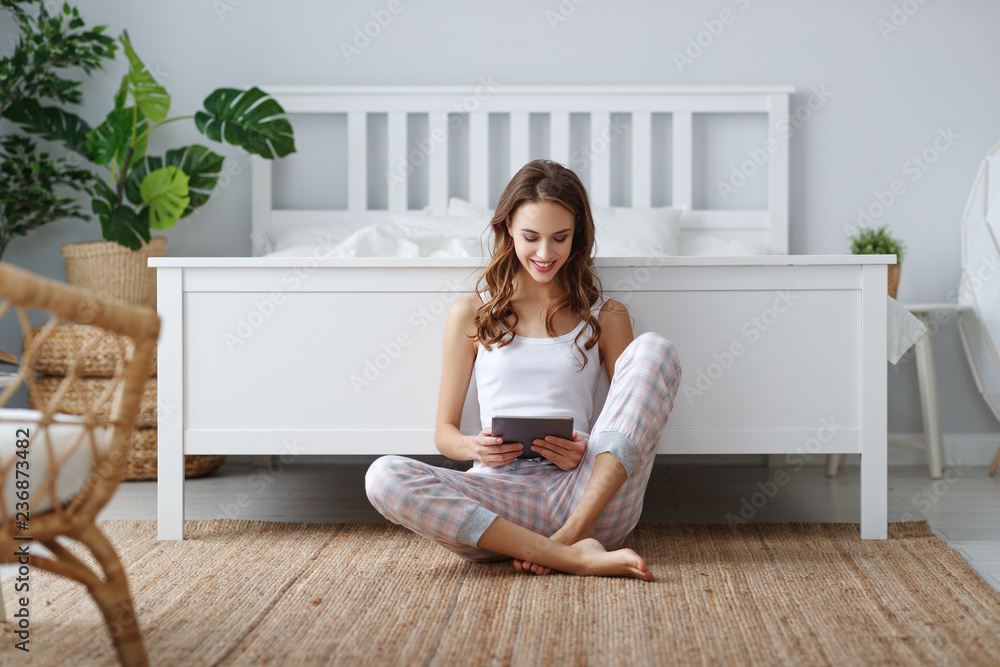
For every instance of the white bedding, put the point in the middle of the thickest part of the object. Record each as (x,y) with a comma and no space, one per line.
(463,230)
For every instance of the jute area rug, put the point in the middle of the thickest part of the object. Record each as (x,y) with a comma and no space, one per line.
(251,593)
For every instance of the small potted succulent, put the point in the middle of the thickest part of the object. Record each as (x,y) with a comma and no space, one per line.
(880,242)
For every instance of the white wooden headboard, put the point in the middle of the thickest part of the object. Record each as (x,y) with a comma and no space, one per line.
(766,229)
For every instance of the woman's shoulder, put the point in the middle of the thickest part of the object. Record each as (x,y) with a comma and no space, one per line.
(609,310)
(466,306)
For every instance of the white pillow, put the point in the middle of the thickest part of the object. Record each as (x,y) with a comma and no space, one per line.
(462,208)
(64,431)
(321,235)
(637,232)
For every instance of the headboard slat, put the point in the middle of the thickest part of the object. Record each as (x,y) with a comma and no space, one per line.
(519,141)
(598,151)
(479,158)
(642,159)
(260,203)
(777,175)
(398,170)
(437,137)
(357,159)
(559,136)
(683,162)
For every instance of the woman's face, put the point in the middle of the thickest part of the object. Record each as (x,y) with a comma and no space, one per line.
(543,238)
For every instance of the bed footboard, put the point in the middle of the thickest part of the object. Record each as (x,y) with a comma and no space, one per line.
(781,355)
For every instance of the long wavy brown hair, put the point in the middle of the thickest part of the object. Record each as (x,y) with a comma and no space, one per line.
(540,181)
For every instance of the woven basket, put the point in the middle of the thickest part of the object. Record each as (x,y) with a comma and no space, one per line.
(893,279)
(63,345)
(142,460)
(113,271)
(84,393)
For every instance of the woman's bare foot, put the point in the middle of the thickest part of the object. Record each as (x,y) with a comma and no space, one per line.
(534,568)
(596,560)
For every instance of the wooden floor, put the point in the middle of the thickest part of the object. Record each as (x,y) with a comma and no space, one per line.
(963,508)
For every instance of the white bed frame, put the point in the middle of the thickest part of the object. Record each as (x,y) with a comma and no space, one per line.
(782,354)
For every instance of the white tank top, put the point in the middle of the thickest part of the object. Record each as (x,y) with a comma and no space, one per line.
(536,377)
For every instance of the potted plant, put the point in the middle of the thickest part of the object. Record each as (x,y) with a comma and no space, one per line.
(35,186)
(146,193)
(880,242)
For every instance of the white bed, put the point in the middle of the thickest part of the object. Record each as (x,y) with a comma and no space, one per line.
(291,355)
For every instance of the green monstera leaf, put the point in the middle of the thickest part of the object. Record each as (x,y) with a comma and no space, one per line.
(201,165)
(249,119)
(166,193)
(151,98)
(50,123)
(121,224)
(112,138)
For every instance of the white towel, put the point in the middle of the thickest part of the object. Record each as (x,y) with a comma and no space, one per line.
(904,329)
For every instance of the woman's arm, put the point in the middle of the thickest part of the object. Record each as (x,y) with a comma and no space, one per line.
(616,334)
(456,373)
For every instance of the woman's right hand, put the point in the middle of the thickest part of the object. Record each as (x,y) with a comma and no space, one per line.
(493,451)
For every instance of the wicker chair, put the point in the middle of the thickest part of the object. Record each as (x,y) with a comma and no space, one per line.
(101,436)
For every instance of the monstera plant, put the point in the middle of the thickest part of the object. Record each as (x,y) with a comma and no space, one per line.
(37,185)
(152,192)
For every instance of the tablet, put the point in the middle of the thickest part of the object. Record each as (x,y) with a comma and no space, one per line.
(528,429)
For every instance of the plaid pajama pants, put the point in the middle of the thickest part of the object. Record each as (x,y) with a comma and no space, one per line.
(454,508)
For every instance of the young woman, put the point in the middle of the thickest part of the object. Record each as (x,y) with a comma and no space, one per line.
(535,339)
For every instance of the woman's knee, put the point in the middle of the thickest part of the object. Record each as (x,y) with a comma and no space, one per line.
(380,476)
(662,351)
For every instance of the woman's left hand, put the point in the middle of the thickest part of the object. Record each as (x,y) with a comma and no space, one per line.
(566,454)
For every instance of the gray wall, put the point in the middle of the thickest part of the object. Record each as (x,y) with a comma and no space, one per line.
(890,92)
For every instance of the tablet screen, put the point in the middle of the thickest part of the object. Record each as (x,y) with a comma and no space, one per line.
(528,429)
